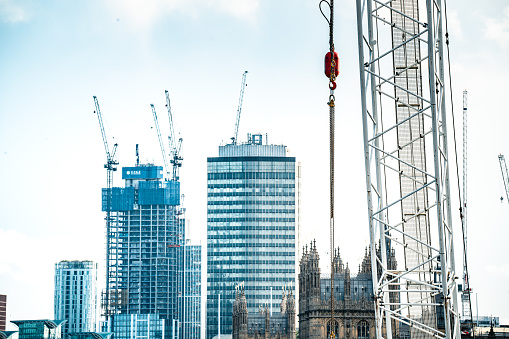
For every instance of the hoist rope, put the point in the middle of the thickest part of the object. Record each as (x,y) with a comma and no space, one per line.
(331,103)
(463,226)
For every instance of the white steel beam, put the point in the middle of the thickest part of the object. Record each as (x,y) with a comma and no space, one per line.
(401,51)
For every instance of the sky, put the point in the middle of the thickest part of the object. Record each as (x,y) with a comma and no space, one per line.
(57,54)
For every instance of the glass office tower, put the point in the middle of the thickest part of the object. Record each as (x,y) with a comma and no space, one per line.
(251,228)
(76,296)
(191,296)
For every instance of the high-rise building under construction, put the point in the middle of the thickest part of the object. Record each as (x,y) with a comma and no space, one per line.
(145,252)
(251,228)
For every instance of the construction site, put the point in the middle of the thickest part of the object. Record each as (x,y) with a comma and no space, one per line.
(412,284)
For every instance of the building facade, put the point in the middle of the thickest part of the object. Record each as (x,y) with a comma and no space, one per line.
(251,228)
(264,323)
(191,296)
(138,326)
(3,311)
(39,329)
(145,249)
(76,296)
(354,309)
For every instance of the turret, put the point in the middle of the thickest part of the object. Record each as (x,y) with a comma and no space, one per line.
(338,262)
(239,314)
(365,267)
(314,271)
(282,307)
(303,271)
(290,314)
(267,321)
(347,283)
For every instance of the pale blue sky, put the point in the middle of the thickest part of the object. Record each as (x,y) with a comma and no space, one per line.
(55,55)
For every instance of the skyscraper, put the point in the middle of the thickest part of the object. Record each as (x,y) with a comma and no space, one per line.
(76,296)
(145,256)
(191,295)
(251,219)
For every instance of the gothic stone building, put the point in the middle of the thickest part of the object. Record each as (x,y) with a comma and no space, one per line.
(354,310)
(279,325)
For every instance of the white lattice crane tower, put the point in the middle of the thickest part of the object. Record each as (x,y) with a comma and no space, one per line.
(403,98)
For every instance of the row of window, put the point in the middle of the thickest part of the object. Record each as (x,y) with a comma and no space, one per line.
(247,184)
(244,219)
(250,175)
(252,194)
(240,209)
(248,202)
(257,227)
(217,281)
(262,246)
(250,235)
(246,255)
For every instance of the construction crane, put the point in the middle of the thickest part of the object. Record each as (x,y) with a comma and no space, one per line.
(161,144)
(239,108)
(466,292)
(505,177)
(175,146)
(110,166)
(402,63)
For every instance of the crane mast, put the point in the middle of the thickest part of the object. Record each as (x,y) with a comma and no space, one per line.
(111,163)
(239,108)
(402,80)
(505,176)
(465,294)
(175,146)
(161,144)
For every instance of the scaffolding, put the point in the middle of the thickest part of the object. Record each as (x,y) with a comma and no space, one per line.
(144,246)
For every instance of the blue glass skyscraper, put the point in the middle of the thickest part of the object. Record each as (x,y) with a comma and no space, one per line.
(145,243)
(191,295)
(251,228)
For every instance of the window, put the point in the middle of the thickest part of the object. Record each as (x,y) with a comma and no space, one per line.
(363,330)
(334,327)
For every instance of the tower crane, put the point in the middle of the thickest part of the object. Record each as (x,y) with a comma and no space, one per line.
(175,146)
(161,144)
(110,166)
(403,66)
(465,294)
(505,176)
(239,108)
